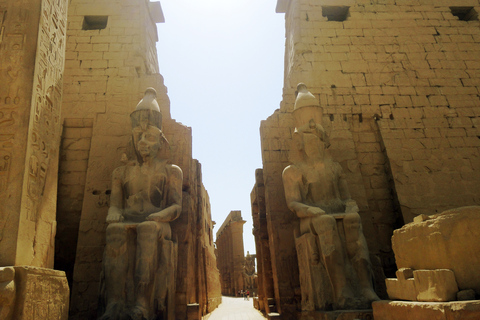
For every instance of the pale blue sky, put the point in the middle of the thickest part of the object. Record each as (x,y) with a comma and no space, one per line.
(222,61)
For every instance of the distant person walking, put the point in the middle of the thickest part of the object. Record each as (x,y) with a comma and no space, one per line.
(248,295)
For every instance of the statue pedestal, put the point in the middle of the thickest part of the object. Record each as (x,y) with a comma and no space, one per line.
(30,293)
(337,315)
(414,310)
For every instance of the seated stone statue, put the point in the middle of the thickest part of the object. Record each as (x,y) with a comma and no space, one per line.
(316,191)
(146,196)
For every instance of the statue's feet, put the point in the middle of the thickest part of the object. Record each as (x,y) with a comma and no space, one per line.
(138,313)
(346,300)
(114,312)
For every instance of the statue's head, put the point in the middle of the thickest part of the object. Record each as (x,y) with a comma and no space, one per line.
(148,141)
(311,141)
(148,138)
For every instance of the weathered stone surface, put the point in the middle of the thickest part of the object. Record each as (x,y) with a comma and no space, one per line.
(464,295)
(7,292)
(249,274)
(230,254)
(32,56)
(40,294)
(334,264)
(107,70)
(140,258)
(336,315)
(407,310)
(264,264)
(399,289)
(411,112)
(435,285)
(448,241)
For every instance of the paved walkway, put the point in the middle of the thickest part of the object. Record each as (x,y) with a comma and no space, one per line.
(236,309)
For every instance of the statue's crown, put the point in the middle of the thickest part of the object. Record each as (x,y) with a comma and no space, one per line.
(307,107)
(147,111)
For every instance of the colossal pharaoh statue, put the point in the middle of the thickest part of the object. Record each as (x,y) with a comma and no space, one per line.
(330,226)
(139,259)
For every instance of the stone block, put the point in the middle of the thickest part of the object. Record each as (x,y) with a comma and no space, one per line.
(448,241)
(7,292)
(335,315)
(435,285)
(398,289)
(466,295)
(408,310)
(41,294)
(404,273)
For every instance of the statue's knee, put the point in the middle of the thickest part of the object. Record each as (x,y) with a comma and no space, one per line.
(115,233)
(325,222)
(115,228)
(147,227)
(352,220)
(116,238)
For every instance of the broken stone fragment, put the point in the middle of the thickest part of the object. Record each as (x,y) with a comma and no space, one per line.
(465,295)
(435,285)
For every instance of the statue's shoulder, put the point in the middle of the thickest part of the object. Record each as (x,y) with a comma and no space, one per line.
(119,172)
(292,171)
(173,169)
(337,167)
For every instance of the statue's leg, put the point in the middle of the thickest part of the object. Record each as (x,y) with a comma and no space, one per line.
(357,250)
(325,226)
(148,233)
(115,266)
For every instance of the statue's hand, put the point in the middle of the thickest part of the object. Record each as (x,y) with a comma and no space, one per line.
(315,211)
(166,215)
(351,206)
(113,217)
(161,216)
(156,217)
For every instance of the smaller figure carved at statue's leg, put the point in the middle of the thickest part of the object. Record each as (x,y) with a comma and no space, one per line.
(115,265)
(148,234)
(325,227)
(357,250)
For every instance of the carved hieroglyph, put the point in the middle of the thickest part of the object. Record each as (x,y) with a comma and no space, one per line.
(32,54)
(33,293)
(139,260)
(335,269)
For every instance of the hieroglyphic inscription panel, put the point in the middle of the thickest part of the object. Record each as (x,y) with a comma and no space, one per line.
(32,49)
(18,38)
(40,178)
(43,138)
(42,294)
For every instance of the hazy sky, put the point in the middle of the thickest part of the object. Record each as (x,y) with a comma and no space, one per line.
(222,61)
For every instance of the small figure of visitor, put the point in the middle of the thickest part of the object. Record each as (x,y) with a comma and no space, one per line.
(248,295)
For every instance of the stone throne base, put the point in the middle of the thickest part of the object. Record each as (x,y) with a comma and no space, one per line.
(163,287)
(316,288)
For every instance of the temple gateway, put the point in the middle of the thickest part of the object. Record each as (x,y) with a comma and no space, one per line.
(366,206)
